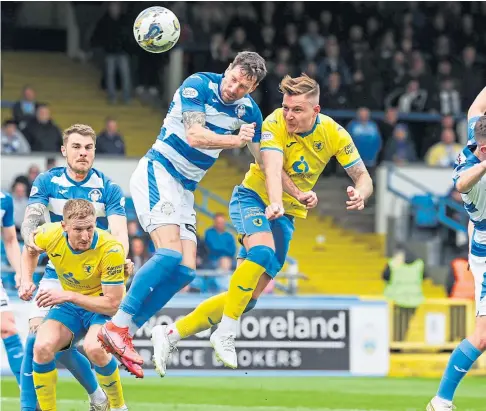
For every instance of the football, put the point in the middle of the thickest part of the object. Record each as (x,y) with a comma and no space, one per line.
(156,29)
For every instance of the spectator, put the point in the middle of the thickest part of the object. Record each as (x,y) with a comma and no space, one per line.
(333,62)
(400,149)
(472,75)
(445,152)
(335,96)
(20,196)
(50,163)
(361,92)
(388,124)
(24,110)
(42,133)
(133,229)
(201,253)
(112,35)
(414,98)
(110,141)
(220,243)
(13,141)
(448,101)
(28,179)
(138,253)
(366,137)
(311,42)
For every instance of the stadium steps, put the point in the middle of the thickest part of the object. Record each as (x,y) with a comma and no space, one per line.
(72,90)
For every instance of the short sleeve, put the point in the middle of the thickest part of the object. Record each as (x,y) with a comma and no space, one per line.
(258,119)
(8,216)
(471,123)
(39,192)
(45,234)
(193,94)
(271,138)
(112,265)
(345,150)
(456,174)
(115,201)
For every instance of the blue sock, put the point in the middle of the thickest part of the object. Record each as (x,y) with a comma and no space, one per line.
(154,272)
(161,295)
(15,353)
(251,305)
(28,397)
(460,362)
(108,369)
(80,368)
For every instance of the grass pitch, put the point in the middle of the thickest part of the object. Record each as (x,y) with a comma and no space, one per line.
(267,394)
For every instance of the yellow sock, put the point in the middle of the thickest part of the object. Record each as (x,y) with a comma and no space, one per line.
(45,380)
(109,379)
(206,314)
(242,284)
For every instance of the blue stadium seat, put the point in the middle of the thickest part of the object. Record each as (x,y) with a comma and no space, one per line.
(424,211)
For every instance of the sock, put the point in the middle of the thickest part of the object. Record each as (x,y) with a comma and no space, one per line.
(460,362)
(206,314)
(109,378)
(45,380)
(15,353)
(245,279)
(154,272)
(162,294)
(28,397)
(80,368)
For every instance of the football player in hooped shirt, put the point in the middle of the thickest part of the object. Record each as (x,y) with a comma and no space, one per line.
(209,112)
(50,192)
(297,142)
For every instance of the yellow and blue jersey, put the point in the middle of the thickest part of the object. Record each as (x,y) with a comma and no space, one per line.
(83,271)
(305,155)
(6,210)
(54,188)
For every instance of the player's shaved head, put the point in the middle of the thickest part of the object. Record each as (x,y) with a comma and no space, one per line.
(480,130)
(81,129)
(302,85)
(78,209)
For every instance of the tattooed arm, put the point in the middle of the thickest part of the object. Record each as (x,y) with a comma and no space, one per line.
(33,218)
(199,136)
(363,186)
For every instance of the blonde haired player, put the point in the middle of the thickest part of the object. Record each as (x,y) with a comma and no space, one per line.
(90,263)
(297,142)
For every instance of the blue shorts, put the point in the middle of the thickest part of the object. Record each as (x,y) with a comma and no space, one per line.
(247,212)
(76,319)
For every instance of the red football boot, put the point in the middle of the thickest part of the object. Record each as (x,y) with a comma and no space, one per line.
(132,368)
(116,340)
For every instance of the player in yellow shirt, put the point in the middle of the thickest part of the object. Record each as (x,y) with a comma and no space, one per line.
(297,143)
(90,265)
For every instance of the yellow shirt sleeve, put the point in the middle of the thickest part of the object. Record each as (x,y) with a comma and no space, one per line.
(272,137)
(46,234)
(345,150)
(112,265)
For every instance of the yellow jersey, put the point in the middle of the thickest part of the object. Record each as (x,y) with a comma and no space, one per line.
(305,155)
(83,271)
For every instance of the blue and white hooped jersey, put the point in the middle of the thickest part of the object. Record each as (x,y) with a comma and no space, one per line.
(200,93)
(54,188)
(6,210)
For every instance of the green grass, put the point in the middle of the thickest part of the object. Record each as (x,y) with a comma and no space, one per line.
(267,394)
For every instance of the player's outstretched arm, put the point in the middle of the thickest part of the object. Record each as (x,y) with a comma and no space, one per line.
(478,107)
(272,167)
(363,186)
(198,136)
(12,249)
(469,178)
(33,218)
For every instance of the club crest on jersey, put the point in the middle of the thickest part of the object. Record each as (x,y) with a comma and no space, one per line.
(167,208)
(34,191)
(258,222)
(88,269)
(240,110)
(318,146)
(95,195)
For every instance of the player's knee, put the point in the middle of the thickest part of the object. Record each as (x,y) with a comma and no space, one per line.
(261,255)
(43,350)
(95,352)
(8,328)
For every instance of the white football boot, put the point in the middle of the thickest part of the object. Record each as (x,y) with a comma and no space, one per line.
(437,404)
(163,348)
(224,347)
(102,406)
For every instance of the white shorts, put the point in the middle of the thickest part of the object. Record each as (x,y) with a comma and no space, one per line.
(478,268)
(4,307)
(159,199)
(44,284)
